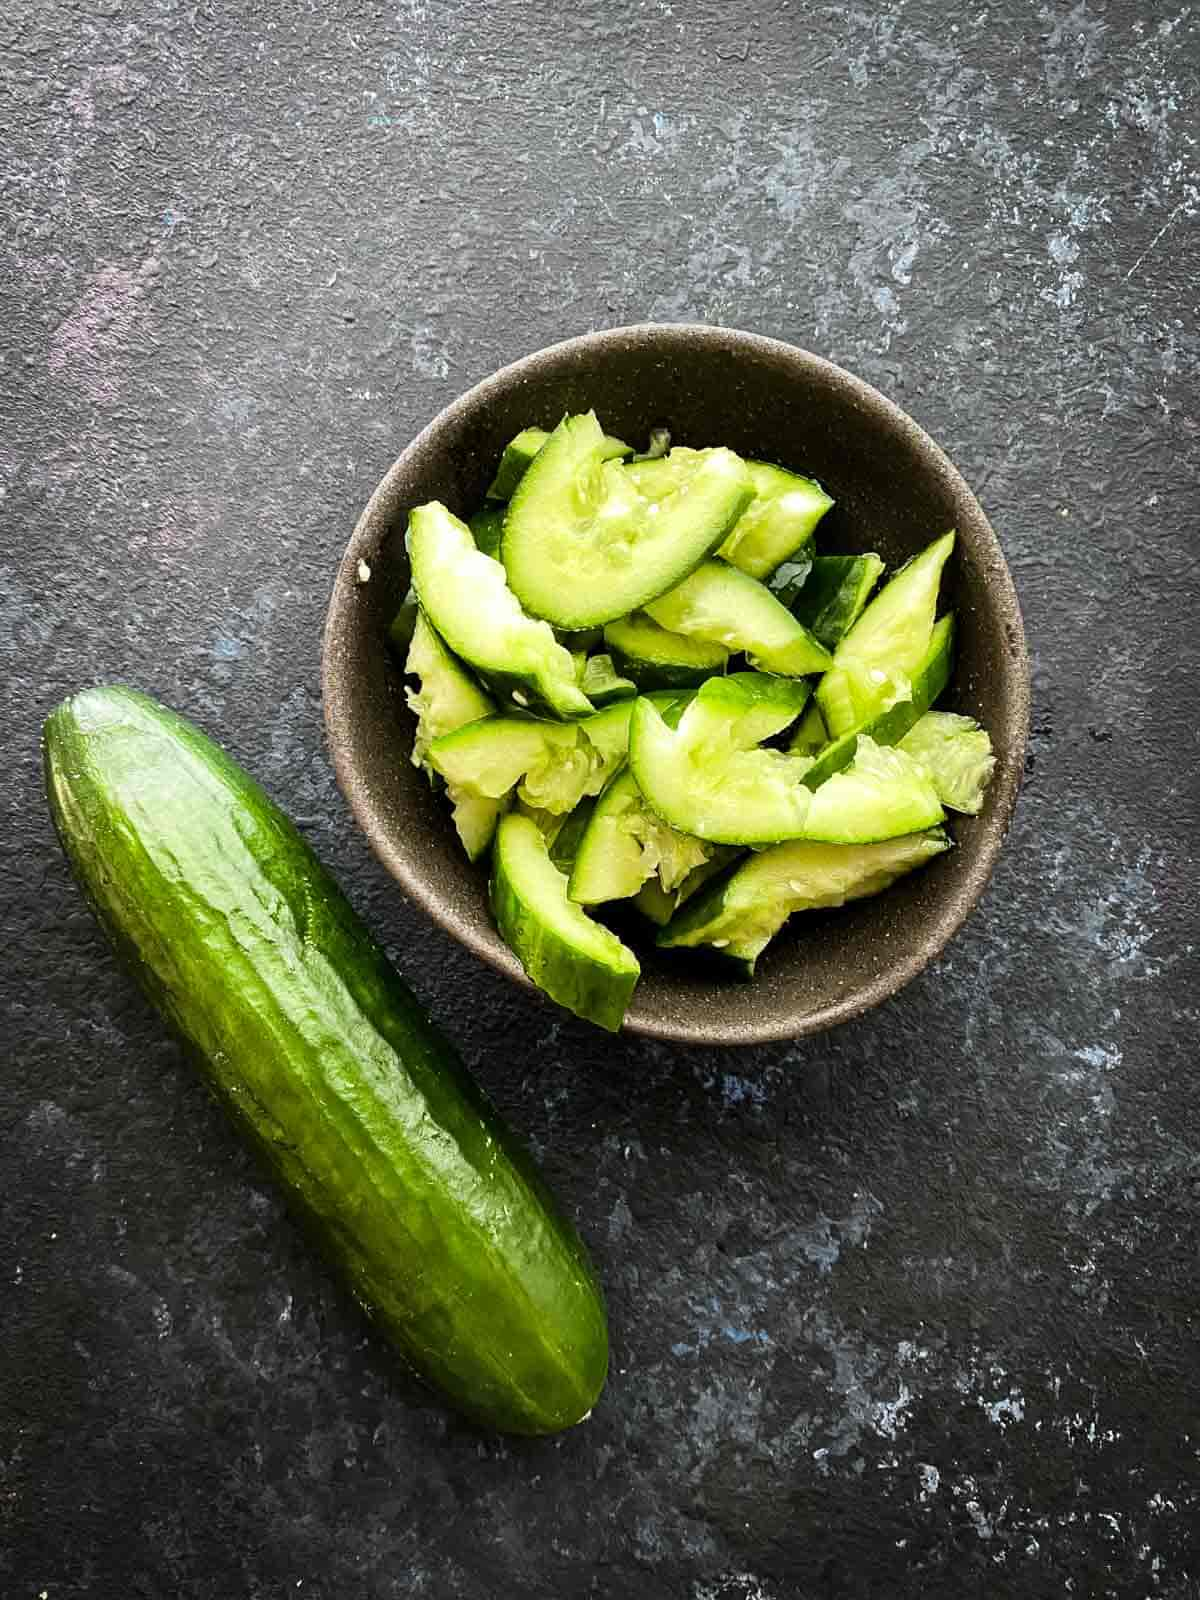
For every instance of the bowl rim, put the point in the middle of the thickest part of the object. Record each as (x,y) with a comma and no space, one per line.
(874,988)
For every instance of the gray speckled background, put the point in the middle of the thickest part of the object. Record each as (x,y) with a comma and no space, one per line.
(907,1309)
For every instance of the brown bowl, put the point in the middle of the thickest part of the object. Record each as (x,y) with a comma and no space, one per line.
(895,490)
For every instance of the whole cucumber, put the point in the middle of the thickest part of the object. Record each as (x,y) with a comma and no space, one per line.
(420,1196)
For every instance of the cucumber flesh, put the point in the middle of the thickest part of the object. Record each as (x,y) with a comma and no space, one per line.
(740,914)
(882,793)
(654,902)
(574,960)
(487,529)
(448,698)
(726,607)
(583,546)
(957,753)
(467,599)
(928,681)
(873,665)
(422,1199)
(809,734)
(602,683)
(746,708)
(729,796)
(552,762)
(779,520)
(835,594)
(625,844)
(655,658)
(519,452)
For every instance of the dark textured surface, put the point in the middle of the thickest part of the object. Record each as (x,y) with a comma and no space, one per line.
(891,485)
(907,1309)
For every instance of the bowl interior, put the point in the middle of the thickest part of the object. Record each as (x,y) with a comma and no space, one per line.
(895,490)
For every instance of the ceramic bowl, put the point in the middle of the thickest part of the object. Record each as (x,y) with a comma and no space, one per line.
(894,489)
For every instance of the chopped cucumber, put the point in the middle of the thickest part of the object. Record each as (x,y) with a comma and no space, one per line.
(658,659)
(653,901)
(928,681)
(553,762)
(873,665)
(447,698)
(747,708)
(574,960)
(625,844)
(565,844)
(730,796)
(790,576)
(957,753)
(738,915)
(467,599)
(881,794)
(809,734)
(583,546)
(602,683)
(519,452)
(487,529)
(778,521)
(726,607)
(834,594)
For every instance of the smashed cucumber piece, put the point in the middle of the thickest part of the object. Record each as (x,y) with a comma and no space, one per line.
(625,843)
(659,906)
(873,665)
(746,708)
(602,683)
(881,794)
(834,595)
(520,451)
(778,521)
(957,753)
(809,734)
(738,915)
(719,603)
(447,698)
(467,599)
(656,658)
(577,962)
(583,546)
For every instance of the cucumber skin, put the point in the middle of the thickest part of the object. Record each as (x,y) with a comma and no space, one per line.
(423,1200)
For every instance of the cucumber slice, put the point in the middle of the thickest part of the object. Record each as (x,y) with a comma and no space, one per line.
(880,795)
(582,546)
(727,796)
(571,958)
(928,681)
(468,601)
(658,659)
(723,605)
(778,521)
(873,665)
(487,529)
(653,901)
(957,753)
(625,844)
(552,762)
(519,452)
(809,735)
(602,683)
(740,914)
(447,698)
(747,708)
(834,595)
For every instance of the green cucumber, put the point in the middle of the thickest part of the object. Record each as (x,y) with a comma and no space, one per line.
(423,1200)
(468,601)
(718,603)
(873,665)
(809,734)
(550,764)
(602,683)
(487,529)
(574,960)
(654,902)
(957,753)
(746,708)
(659,444)
(834,595)
(625,843)
(739,914)
(658,659)
(930,678)
(519,452)
(880,795)
(448,698)
(778,521)
(582,546)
